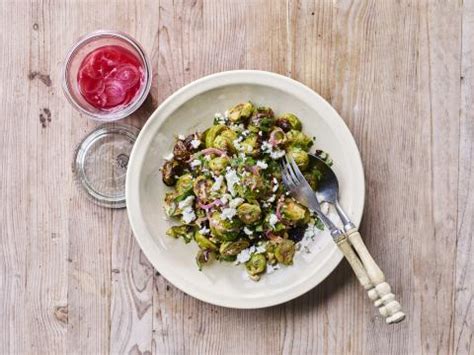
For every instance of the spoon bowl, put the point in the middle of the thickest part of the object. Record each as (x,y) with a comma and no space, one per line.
(327,189)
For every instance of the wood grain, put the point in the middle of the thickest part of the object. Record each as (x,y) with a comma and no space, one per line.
(463,322)
(400,73)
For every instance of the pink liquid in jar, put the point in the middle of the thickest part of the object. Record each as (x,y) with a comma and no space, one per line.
(110,77)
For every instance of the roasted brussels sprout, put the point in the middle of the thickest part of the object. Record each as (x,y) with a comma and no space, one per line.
(249,213)
(261,120)
(224,229)
(298,139)
(288,121)
(293,213)
(170,205)
(256,265)
(285,251)
(203,242)
(170,170)
(251,145)
(180,151)
(252,187)
(184,231)
(233,248)
(301,158)
(241,112)
(202,188)
(212,133)
(204,257)
(218,165)
(225,141)
(184,184)
(278,137)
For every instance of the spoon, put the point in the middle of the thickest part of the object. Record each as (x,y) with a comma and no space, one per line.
(327,191)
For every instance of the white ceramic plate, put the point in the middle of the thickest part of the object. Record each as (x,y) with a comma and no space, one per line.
(192,108)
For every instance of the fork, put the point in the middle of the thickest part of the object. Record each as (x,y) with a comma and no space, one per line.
(302,191)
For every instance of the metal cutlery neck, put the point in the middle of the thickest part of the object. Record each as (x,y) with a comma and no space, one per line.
(335,232)
(347,223)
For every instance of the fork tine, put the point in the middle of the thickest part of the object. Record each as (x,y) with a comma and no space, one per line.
(290,176)
(286,179)
(291,171)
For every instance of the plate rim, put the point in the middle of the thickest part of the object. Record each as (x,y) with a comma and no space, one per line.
(173,102)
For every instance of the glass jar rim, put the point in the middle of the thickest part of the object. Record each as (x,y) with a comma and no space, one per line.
(127,110)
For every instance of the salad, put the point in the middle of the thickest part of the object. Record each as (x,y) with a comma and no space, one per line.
(227,191)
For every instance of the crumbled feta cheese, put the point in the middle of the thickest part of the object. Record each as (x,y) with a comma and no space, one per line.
(228,213)
(217,184)
(195,163)
(226,113)
(265,205)
(248,231)
(225,198)
(275,186)
(260,133)
(187,202)
(181,137)
(245,255)
(266,147)
(311,231)
(245,133)
(274,154)
(207,157)
(262,164)
(273,220)
(204,231)
(236,143)
(232,179)
(168,157)
(277,154)
(272,198)
(272,268)
(237,127)
(188,215)
(195,143)
(236,202)
(220,118)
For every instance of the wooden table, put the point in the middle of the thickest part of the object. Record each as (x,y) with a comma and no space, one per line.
(401,75)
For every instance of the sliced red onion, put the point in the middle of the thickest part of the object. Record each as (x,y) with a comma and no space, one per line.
(271,236)
(278,209)
(114,93)
(128,75)
(208,206)
(216,151)
(208,151)
(272,139)
(90,85)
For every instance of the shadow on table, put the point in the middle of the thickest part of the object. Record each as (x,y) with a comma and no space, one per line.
(323,293)
(139,118)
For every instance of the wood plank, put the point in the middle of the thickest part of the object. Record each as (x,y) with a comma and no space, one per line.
(439,90)
(393,75)
(196,40)
(15,192)
(463,322)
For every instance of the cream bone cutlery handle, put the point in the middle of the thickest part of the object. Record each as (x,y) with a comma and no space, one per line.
(356,265)
(389,307)
(343,243)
